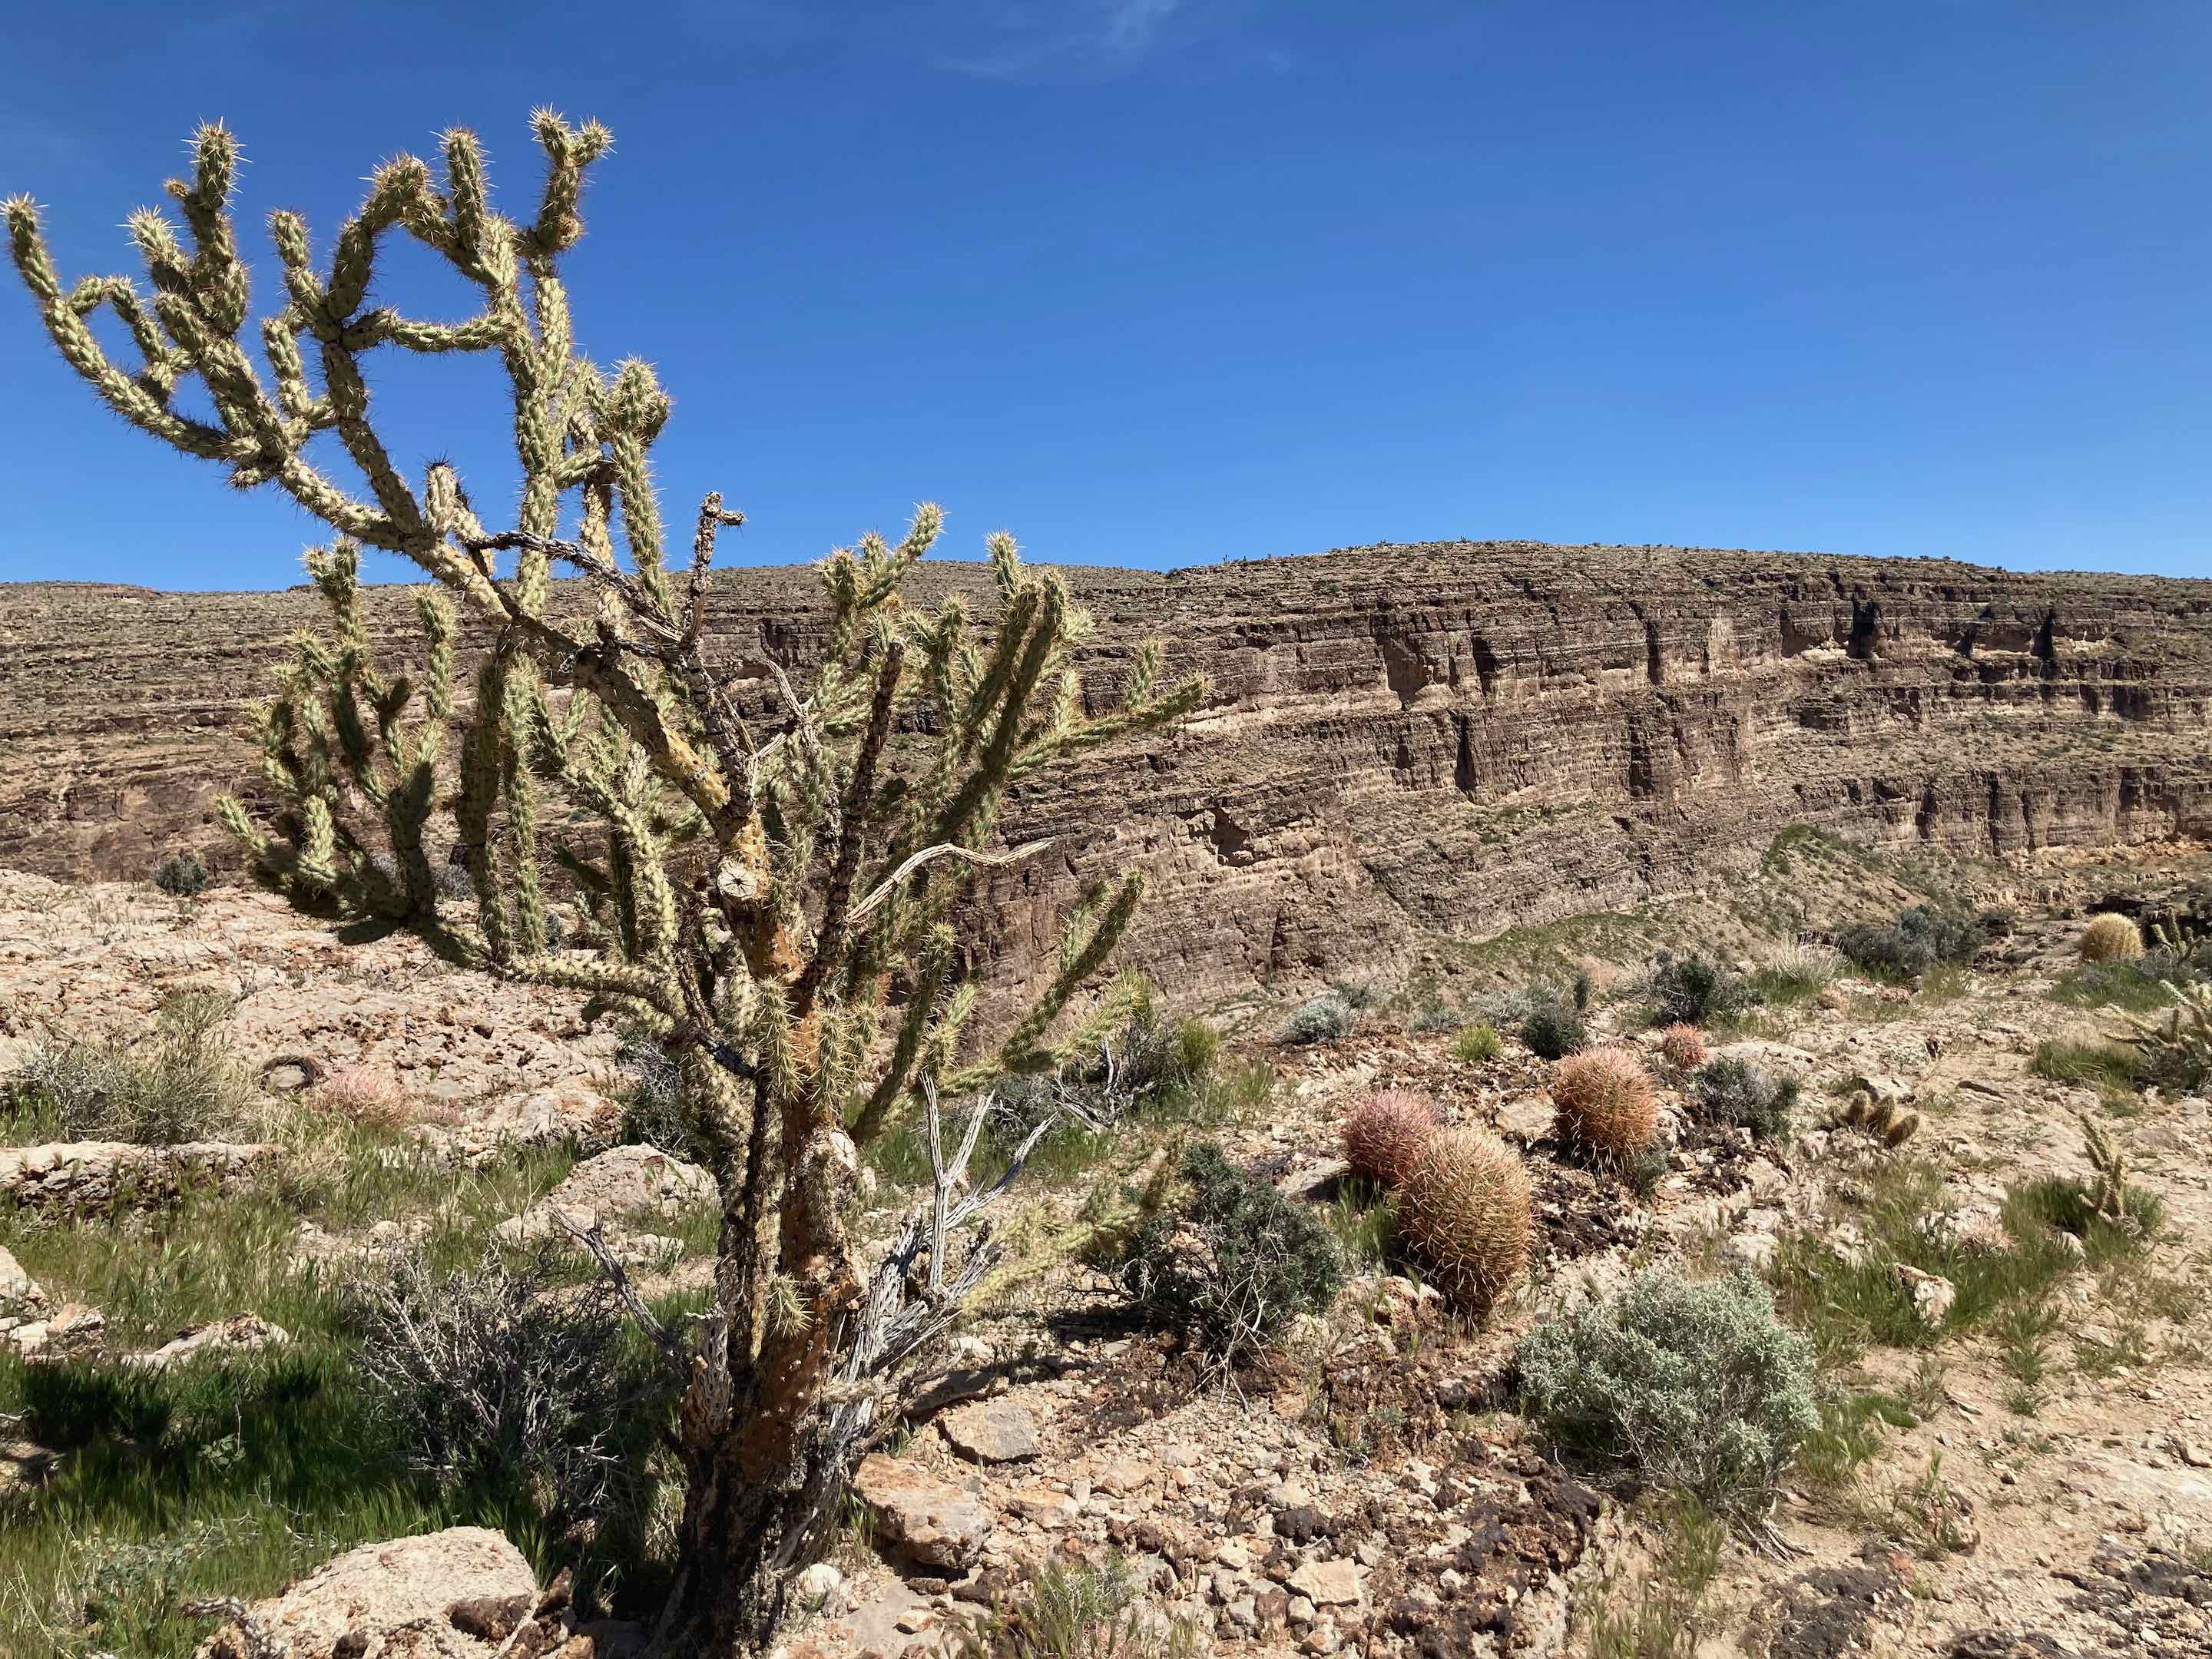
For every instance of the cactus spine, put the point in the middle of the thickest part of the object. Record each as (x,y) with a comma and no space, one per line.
(753,885)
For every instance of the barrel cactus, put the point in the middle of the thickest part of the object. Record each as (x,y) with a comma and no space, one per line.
(2110,938)
(1464,1208)
(1387,1132)
(1604,1101)
(1682,1047)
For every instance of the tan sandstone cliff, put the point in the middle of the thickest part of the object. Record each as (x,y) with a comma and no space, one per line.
(1406,743)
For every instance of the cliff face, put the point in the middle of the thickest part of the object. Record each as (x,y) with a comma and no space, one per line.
(1406,743)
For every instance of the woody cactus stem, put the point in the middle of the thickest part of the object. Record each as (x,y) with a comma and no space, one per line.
(775,906)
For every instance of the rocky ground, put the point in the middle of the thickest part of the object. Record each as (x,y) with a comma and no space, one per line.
(2029,1477)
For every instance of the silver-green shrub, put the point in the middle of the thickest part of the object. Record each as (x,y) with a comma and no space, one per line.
(1676,1386)
(179,1083)
(1742,1092)
(1323,1018)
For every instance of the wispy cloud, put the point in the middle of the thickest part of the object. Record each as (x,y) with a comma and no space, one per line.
(1042,39)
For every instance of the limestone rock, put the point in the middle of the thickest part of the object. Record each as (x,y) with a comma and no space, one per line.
(886,1625)
(241,1334)
(90,1178)
(937,1524)
(1527,1117)
(1328,1584)
(373,1592)
(820,1587)
(1932,1294)
(1681,705)
(24,1465)
(991,1432)
(73,1329)
(22,1300)
(620,1187)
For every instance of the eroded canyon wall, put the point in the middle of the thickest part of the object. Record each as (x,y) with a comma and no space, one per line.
(1405,743)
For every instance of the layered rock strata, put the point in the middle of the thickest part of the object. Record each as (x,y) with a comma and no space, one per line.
(1404,744)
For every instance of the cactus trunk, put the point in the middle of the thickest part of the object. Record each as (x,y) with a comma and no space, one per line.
(743,1536)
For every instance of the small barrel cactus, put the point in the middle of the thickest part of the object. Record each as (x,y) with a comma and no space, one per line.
(1682,1047)
(366,1095)
(1386,1132)
(1464,1208)
(2110,938)
(1605,1101)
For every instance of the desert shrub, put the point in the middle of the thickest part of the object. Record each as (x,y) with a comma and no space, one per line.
(1505,1010)
(498,1379)
(1915,941)
(1235,1263)
(1151,1054)
(1605,1102)
(369,1095)
(1551,1030)
(179,1084)
(1682,1047)
(1435,1015)
(181,875)
(651,1095)
(452,881)
(1357,994)
(1464,1208)
(1386,1132)
(1746,1094)
(1676,1386)
(2110,937)
(1145,1062)
(1477,1044)
(1690,990)
(1323,1018)
(1078,1611)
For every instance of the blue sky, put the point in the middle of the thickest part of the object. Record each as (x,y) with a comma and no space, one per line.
(1160,282)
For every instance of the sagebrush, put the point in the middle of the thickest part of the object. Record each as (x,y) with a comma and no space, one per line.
(180,1082)
(1734,1091)
(1677,1386)
(1323,1018)
(1920,937)
(1691,990)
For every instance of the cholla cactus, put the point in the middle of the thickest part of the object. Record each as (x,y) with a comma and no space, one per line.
(2108,1197)
(2178,1042)
(756,886)
(1386,1132)
(1604,1100)
(1465,1207)
(1888,1122)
